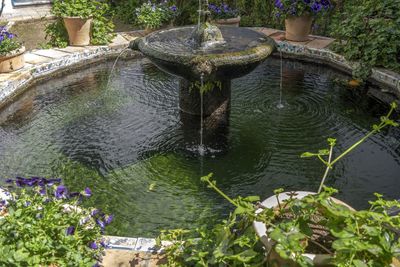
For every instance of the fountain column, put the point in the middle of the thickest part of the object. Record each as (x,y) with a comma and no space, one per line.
(214,99)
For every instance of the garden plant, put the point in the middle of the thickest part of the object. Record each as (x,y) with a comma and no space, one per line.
(8,41)
(101,28)
(155,15)
(43,224)
(313,224)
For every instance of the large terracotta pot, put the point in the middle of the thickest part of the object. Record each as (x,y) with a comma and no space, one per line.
(319,260)
(13,60)
(78,30)
(228,22)
(298,28)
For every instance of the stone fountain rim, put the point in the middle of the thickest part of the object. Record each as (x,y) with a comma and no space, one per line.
(244,57)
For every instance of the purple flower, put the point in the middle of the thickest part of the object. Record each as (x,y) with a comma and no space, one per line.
(94,212)
(108,219)
(100,223)
(316,7)
(61,192)
(279,4)
(173,8)
(52,181)
(70,230)
(87,192)
(27,203)
(93,245)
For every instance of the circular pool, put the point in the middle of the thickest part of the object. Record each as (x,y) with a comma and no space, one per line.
(130,145)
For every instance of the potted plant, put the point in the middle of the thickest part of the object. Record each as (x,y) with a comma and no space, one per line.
(224,15)
(153,16)
(43,224)
(11,52)
(80,17)
(298,15)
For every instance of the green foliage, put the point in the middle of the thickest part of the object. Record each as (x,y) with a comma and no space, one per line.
(76,8)
(231,243)
(56,34)
(43,225)
(102,26)
(8,41)
(315,224)
(153,15)
(368,31)
(125,10)
(330,162)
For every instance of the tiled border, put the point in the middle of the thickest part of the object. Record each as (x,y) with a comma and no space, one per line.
(134,244)
(43,64)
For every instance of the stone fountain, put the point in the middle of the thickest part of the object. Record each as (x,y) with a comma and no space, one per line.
(207,55)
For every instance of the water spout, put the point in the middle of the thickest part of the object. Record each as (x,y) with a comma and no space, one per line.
(115,63)
(280,105)
(201,146)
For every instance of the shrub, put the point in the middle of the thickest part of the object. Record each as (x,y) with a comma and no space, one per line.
(368,31)
(153,16)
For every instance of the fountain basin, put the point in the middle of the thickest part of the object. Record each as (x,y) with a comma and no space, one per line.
(173,51)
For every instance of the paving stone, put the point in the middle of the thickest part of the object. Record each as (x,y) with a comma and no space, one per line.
(320,43)
(124,258)
(17,75)
(129,37)
(269,31)
(72,49)
(145,244)
(119,41)
(51,53)
(35,59)
(278,36)
(127,243)
(5,76)
(299,43)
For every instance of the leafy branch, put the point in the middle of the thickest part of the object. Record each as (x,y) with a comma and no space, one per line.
(385,121)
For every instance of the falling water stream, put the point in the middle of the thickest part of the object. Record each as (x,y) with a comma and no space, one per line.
(115,63)
(201,147)
(280,105)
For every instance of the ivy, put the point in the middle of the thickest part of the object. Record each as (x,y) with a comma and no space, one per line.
(368,31)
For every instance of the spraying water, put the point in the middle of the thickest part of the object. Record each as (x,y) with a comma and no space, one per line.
(201,147)
(115,63)
(280,105)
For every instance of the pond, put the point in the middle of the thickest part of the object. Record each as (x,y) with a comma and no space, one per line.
(127,142)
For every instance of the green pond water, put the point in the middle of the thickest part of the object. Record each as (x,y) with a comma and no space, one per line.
(127,142)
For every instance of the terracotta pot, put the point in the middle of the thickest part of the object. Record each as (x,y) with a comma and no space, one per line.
(78,30)
(228,22)
(274,259)
(13,60)
(298,28)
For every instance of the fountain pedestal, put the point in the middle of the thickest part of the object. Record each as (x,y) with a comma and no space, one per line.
(216,97)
